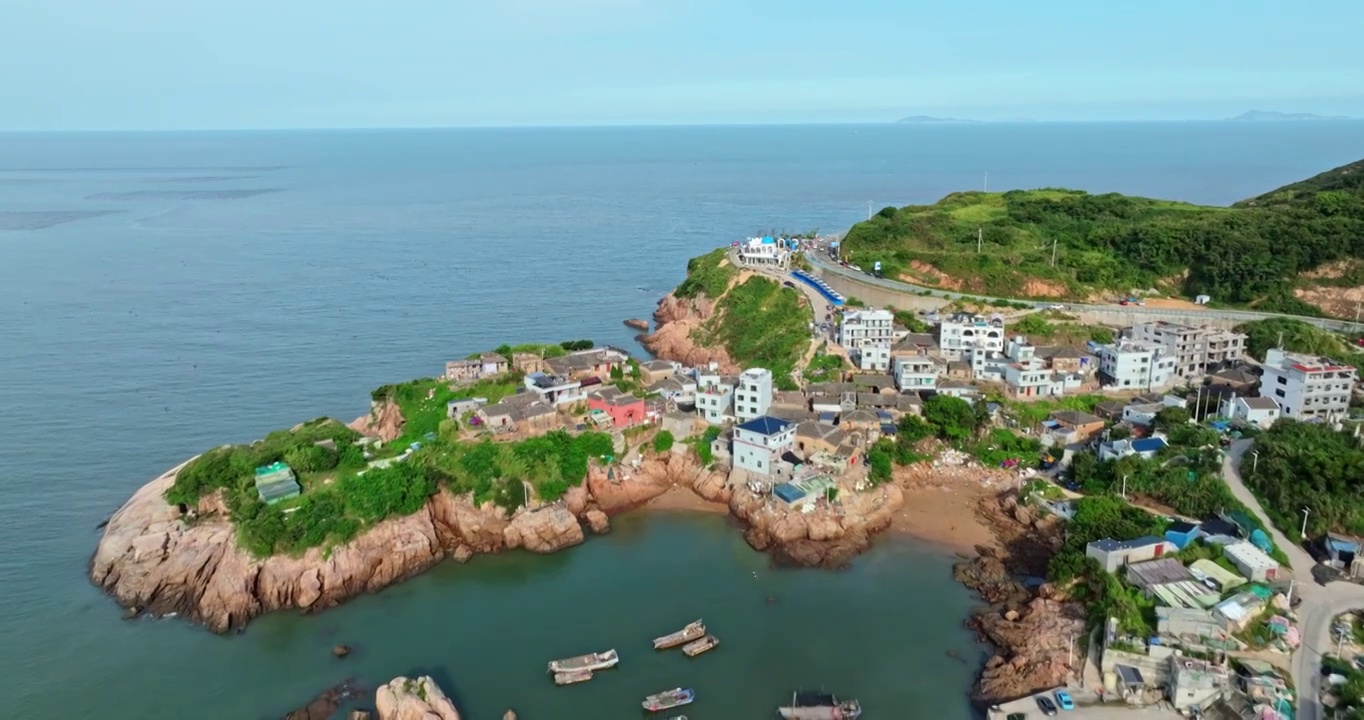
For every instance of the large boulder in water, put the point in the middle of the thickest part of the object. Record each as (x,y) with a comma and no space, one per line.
(419,698)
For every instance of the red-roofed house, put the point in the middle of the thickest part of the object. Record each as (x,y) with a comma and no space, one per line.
(625,409)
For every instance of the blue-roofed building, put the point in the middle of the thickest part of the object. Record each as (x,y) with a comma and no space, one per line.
(760,443)
(1344,553)
(1143,448)
(1181,534)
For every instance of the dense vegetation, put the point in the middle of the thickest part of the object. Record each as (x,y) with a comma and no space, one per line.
(1097,518)
(341,497)
(1250,253)
(1308,465)
(1298,336)
(423,401)
(707,275)
(760,323)
(825,367)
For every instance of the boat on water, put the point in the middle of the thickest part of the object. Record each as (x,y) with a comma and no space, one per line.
(692,631)
(572,676)
(819,706)
(669,699)
(590,661)
(696,647)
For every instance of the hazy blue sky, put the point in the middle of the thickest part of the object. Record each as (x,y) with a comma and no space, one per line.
(150,64)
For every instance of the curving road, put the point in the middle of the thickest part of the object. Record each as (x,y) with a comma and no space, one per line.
(1320,604)
(825,266)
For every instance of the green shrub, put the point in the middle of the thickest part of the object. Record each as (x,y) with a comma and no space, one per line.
(663,441)
(707,275)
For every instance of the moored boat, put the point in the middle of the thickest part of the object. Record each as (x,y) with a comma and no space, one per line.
(572,676)
(819,706)
(669,699)
(590,661)
(692,631)
(696,647)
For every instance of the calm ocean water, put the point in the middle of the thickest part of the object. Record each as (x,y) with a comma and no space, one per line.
(243,282)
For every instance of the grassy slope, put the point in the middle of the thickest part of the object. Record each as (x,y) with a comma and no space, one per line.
(1250,253)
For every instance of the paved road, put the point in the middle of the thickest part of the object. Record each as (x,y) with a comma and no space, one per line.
(825,265)
(1320,605)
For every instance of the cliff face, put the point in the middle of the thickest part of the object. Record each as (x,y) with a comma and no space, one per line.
(827,537)
(384,421)
(675,319)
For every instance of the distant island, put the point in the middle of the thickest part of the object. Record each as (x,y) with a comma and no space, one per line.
(1274,116)
(930,120)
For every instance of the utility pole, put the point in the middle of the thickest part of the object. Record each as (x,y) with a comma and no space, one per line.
(1305,510)
(1124,487)
(980,237)
(1053,251)
(986,186)
(868,209)
(1254,459)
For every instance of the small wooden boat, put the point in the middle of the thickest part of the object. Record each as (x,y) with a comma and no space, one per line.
(669,699)
(692,631)
(696,647)
(572,676)
(679,717)
(590,661)
(819,706)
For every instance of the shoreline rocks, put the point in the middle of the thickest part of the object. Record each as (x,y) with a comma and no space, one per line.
(675,319)
(153,561)
(419,698)
(637,324)
(1030,631)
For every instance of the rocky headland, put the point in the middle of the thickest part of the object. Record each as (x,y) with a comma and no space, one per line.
(418,698)
(677,322)
(161,559)
(1029,630)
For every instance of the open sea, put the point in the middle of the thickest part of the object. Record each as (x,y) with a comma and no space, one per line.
(162,293)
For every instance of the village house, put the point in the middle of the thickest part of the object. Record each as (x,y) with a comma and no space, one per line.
(1307,387)
(1192,348)
(681,425)
(876,383)
(624,409)
(1135,365)
(759,443)
(872,357)
(655,370)
(1343,553)
(1240,379)
(961,332)
(276,482)
(865,421)
(1239,610)
(917,372)
(714,397)
(1148,574)
(1258,411)
(484,366)
(1067,359)
(597,362)
(913,344)
(527,363)
(765,251)
(1182,533)
(676,389)
(1145,448)
(1113,554)
(526,412)
(1196,683)
(815,437)
(753,394)
(860,328)
(455,409)
(555,390)
(1082,424)
(958,389)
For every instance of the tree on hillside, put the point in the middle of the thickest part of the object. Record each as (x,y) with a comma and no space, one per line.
(953,417)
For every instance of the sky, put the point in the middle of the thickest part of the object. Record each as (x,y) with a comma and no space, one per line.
(224,64)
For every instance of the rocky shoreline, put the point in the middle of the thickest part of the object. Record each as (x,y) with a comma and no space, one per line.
(1029,630)
(675,322)
(158,559)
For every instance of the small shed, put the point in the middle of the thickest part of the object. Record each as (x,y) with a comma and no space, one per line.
(1181,533)
(1251,561)
(276,482)
(1157,572)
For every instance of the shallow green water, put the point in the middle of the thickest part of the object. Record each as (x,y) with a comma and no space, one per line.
(880,631)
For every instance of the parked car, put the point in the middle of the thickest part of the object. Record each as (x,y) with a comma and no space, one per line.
(1047,707)
(1063,699)
(1016,716)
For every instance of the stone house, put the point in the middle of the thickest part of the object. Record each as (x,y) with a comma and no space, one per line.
(1083,424)
(815,437)
(655,370)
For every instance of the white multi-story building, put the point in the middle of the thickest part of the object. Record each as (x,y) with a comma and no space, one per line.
(765,251)
(1135,365)
(760,442)
(1307,387)
(866,327)
(917,372)
(1193,348)
(874,356)
(961,332)
(714,398)
(753,396)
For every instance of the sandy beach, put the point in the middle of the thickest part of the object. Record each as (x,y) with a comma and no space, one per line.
(945,516)
(681,498)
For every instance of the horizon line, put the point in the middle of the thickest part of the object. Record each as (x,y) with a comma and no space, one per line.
(625,126)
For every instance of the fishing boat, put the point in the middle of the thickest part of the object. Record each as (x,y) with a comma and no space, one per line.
(691,632)
(590,661)
(669,699)
(572,676)
(679,717)
(819,706)
(696,647)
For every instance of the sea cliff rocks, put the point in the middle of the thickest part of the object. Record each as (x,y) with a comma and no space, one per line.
(544,530)
(828,537)
(384,421)
(637,324)
(418,698)
(675,321)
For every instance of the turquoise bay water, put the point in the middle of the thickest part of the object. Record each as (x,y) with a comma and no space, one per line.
(131,340)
